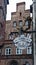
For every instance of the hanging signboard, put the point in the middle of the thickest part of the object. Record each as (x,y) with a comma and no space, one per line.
(22,41)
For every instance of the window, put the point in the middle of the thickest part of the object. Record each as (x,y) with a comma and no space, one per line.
(18,51)
(26,23)
(29,50)
(29,36)
(14,23)
(20,23)
(10,37)
(8,51)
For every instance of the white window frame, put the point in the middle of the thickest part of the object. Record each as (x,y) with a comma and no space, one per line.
(0,25)
(19,51)
(29,51)
(7,52)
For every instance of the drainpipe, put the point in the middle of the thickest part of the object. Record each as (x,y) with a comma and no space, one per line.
(34,28)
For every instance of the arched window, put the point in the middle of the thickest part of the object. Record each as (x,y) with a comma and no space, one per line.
(26,23)
(14,24)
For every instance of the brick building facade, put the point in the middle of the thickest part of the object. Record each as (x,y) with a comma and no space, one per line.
(9,53)
(3,11)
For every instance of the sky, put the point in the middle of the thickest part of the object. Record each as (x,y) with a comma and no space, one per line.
(12,7)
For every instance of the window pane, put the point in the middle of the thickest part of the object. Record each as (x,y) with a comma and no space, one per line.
(7,51)
(29,50)
(26,23)
(20,23)
(18,51)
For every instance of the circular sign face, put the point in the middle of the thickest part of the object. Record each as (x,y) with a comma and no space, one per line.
(22,41)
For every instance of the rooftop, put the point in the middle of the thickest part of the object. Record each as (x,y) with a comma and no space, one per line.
(20,3)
